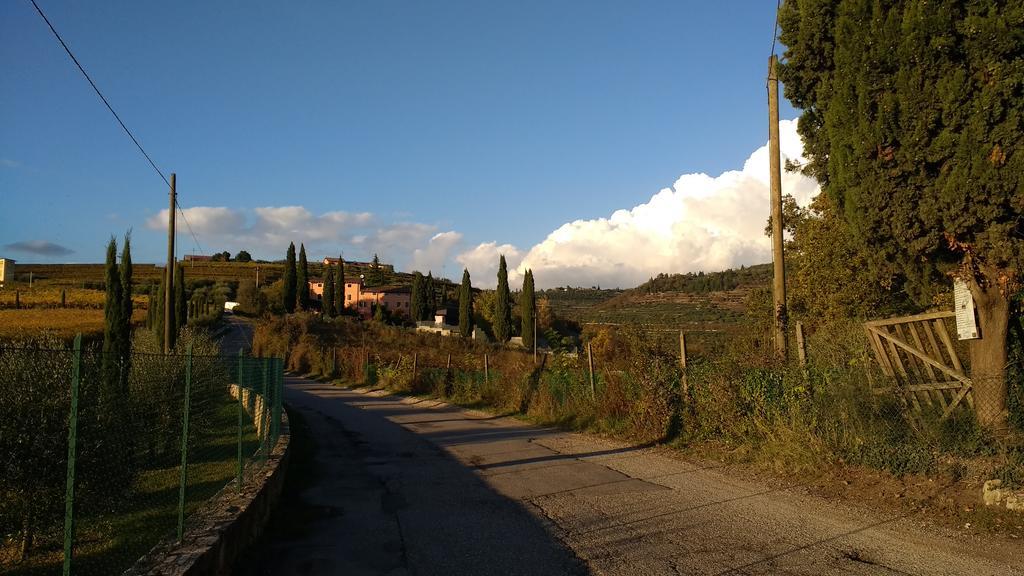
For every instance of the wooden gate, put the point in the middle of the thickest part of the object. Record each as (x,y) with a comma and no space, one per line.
(917,354)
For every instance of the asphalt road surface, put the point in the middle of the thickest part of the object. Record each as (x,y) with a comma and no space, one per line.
(387,485)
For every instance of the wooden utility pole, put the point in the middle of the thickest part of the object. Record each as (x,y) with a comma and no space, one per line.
(590,368)
(682,364)
(169,273)
(775,172)
(534,335)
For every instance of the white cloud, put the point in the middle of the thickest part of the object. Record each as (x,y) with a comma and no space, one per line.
(700,223)
(205,221)
(432,257)
(267,230)
(482,263)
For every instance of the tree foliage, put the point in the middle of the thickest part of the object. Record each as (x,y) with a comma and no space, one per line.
(243,256)
(328,295)
(466,305)
(418,305)
(502,305)
(913,123)
(527,309)
(289,292)
(302,280)
(339,288)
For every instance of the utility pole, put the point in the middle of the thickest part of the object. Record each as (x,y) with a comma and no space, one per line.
(169,273)
(779,316)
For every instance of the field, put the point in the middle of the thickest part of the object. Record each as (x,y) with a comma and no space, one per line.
(61,322)
(269,272)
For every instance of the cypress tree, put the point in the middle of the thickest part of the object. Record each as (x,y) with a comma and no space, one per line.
(328,296)
(377,274)
(127,307)
(466,305)
(418,304)
(502,305)
(527,308)
(430,296)
(288,293)
(157,323)
(339,296)
(113,309)
(180,304)
(302,280)
(912,125)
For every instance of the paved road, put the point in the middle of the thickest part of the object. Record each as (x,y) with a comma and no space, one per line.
(237,335)
(395,486)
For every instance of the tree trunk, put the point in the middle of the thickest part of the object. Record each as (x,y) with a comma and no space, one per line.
(988,354)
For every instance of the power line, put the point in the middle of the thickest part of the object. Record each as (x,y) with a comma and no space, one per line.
(189,226)
(116,117)
(98,93)
(775,33)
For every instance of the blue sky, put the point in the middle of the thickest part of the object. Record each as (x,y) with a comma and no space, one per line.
(423,131)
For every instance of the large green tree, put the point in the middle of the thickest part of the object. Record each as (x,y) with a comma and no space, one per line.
(913,123)
(127,308)
(180,303)
(502,305)
(339,289)
(113,314)
(466,305)
(289,290)
(527,309)
(418,305)
(302,280)
(328,295)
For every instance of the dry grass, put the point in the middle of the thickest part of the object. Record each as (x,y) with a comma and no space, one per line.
(48,296)
(62,322)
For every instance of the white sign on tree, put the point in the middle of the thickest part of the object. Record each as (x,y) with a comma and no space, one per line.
(966,324)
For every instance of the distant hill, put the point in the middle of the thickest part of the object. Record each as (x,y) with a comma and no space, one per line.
(701,283)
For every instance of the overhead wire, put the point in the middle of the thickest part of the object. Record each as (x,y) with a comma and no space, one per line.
(116,116)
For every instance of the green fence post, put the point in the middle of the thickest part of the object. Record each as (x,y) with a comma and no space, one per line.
(264,411)
(184,442)
(241,422)
(275,416)
(69,494)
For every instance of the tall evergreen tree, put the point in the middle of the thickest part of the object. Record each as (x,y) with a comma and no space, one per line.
(113,311)
(339,289)
(430,295)
(527,309)
(127,307)
(418,304)
(302,279)
(376,272)
(466,305)
(288,293)
(328,296)
(912,125)
(502,305)
(180,303)
(157,324)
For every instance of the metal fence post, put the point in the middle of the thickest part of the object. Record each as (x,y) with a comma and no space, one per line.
(275,416)
(69,494)
(264,437)
(184,442)
(241,373)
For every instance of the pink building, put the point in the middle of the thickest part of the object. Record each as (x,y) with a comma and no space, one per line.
(396,299)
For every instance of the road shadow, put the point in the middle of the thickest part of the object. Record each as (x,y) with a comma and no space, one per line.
(364,495)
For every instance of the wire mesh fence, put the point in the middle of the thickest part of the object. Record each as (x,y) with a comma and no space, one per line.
(101,457)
